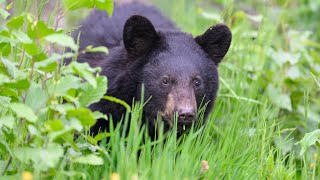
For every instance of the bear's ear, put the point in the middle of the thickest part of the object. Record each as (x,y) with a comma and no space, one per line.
(215,41)
(139,35)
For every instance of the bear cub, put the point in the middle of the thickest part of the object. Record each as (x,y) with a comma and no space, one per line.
(178,72)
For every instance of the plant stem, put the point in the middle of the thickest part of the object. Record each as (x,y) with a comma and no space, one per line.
(7,166)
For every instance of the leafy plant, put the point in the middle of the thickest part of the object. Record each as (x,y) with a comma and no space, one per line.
(44,102)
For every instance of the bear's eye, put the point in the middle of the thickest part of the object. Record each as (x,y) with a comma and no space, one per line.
(165,80)
(197,82)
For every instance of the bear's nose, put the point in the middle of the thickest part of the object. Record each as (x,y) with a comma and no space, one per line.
(186,115)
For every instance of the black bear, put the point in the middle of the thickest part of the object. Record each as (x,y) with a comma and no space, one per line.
(179,72)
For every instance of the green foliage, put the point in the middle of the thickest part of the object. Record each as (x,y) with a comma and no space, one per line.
(43,102)
(99,4)
(309,139)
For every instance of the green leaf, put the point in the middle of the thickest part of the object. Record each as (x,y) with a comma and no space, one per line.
(15,23)
(19,83)
(102,49)
(21,37)
(10,67)
(36,98)
(39,30)
(63,85)
(50,64)
(281,57)
(293,73)
(119,101)
(4,147)
(90,95)
(315,79)
(42,158)
(23,111)
(20,80)
(54,125)
(90,159)
(106,5)
(101,136)
(4,13)
(308,140)
(72,5)
(84,115)
(5,49)
(99,115)
(7,121)
(84,71)
(63,40)
(4,79)
(279,99)
(4,101)
(31,49)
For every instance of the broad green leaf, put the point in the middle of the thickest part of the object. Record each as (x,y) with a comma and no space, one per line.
(36,97)
(4,13)
(278,98)
(31,48)
(9,92)
(7,121)
(90,95)
(39,30)
(101,136)
(281,57)
(9,67)
(4,101)
(308,140)
(63,85)
(90,159)
(63,40)
(21,37)
(15,23)
(5,49)
(33,131)
(54,125)
(50,64)
(84,71)
(4,79)
(90,139)
(20,80)
(72,5)
(293,73)
(23,111)
(19,83)
(63,108)
(84,115)
(106,5)
(42,158)
(99,115)
(4,147)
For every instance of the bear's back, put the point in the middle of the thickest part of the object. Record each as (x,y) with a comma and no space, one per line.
(101,30)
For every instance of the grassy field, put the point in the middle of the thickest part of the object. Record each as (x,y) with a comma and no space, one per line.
(265,123)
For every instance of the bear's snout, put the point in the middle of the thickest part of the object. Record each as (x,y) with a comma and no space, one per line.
(186,115)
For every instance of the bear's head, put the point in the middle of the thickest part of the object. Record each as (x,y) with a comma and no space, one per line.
(179,72)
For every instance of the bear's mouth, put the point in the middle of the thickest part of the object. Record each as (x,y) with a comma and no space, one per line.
(181,125)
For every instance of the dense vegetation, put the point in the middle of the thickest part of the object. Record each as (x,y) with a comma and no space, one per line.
(265,124)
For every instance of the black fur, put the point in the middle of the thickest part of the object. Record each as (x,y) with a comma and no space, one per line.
(145,47)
